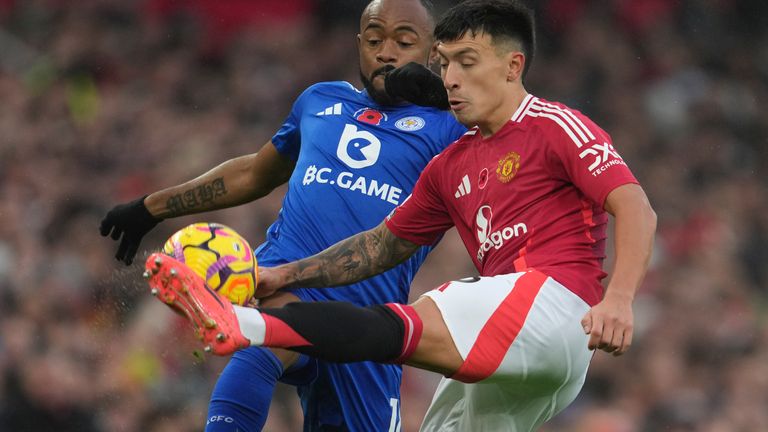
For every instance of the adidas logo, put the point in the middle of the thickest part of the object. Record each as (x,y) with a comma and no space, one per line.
(464,187)
(331,110)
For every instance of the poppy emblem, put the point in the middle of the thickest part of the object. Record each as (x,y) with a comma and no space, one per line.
(370,116)
(482,180)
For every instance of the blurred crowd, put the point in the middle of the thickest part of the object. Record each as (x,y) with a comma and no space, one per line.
(102,101)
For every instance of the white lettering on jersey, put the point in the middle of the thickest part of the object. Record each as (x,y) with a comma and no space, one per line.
(496,238)
(347,180)
(366,142)
(601,157)
(483,221)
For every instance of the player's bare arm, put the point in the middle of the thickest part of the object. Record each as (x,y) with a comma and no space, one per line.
(610,323)
(234,182)
(351,260)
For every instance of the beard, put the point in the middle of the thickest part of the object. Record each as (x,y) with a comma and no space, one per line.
(379,96)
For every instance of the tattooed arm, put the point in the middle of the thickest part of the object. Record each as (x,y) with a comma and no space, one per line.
(234,182)
(351,260)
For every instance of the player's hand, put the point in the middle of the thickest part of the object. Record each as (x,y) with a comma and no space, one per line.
(131,221)
(269,282)
(417,84)
(609,325)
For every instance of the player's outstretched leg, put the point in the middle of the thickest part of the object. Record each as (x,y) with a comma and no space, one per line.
(332,331)
(212,316)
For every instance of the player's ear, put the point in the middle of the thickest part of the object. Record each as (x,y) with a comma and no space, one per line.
(515,65)
(359,40)
(433,56)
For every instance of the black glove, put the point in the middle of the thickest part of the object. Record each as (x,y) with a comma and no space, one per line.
(418,85)
(132,221)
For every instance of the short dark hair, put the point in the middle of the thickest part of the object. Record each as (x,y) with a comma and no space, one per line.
(429,6)
(426,4)
(500,19)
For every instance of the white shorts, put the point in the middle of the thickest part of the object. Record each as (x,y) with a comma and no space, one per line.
(525,353)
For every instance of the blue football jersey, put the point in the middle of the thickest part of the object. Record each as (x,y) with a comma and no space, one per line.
(355,162)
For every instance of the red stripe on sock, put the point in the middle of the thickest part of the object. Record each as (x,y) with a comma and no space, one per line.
(413,329)
(501,329)
(278,334)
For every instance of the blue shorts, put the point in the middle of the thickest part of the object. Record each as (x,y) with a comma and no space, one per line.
(362,396)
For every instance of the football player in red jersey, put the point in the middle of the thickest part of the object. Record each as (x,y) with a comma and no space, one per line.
(529,188)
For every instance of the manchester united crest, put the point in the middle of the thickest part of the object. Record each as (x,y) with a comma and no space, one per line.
(508,166)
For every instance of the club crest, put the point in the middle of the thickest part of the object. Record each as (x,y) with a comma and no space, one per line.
(508,166)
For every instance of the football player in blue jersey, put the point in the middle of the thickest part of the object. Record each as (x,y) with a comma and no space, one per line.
(349,157)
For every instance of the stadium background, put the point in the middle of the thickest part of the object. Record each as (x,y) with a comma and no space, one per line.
(102,101)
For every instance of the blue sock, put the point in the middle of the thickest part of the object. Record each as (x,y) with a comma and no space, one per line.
(243,392)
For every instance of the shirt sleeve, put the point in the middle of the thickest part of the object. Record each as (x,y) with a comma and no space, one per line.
(590,161)
(287,139)
(423,217)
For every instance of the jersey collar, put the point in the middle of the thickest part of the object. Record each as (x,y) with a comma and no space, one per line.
(522,110)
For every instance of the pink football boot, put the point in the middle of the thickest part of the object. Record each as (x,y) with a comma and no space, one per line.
(212,315)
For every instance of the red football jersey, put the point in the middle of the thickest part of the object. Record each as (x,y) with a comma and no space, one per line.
(530,196)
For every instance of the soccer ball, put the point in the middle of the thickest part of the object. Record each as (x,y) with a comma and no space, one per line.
(222,257)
